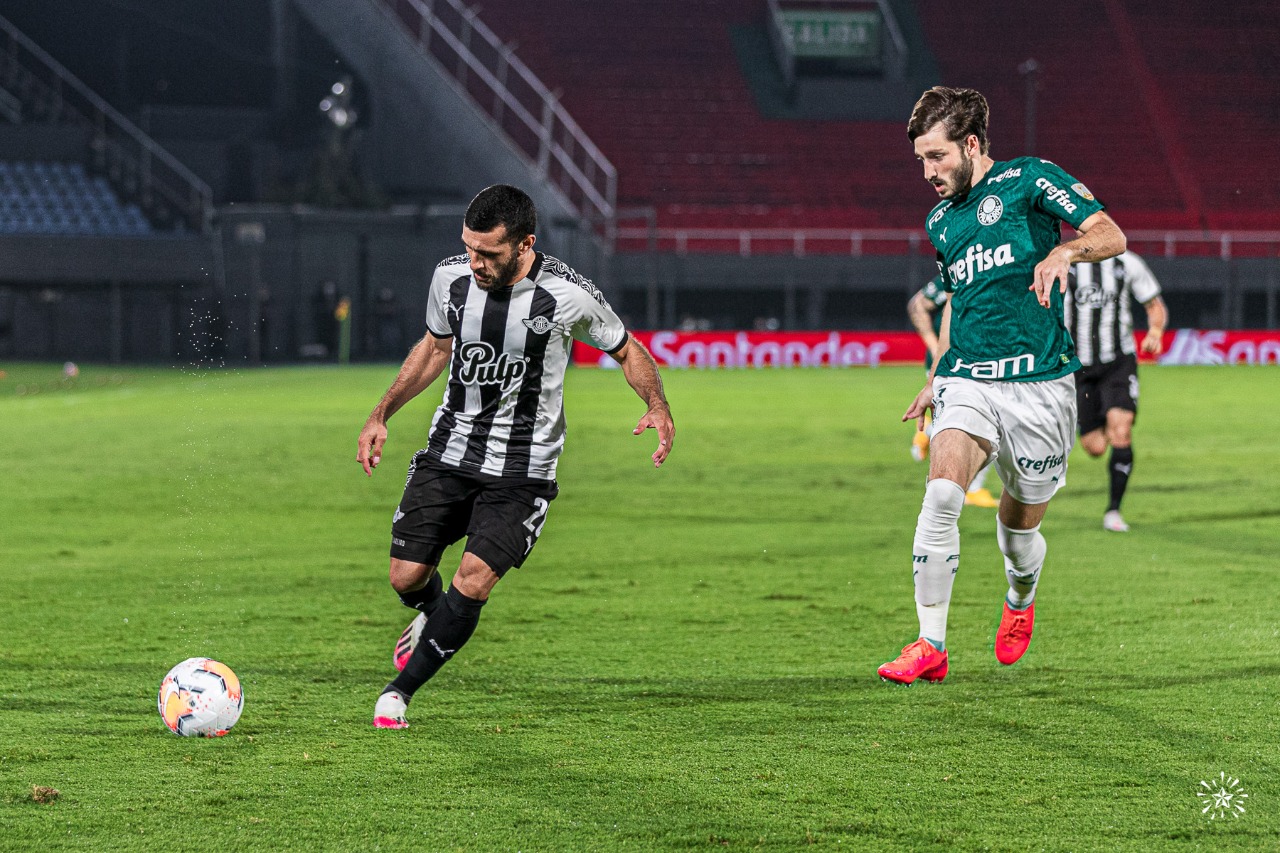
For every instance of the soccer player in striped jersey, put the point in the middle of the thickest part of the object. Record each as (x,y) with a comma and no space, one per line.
(1000,390)
(1101,321)
(502,318)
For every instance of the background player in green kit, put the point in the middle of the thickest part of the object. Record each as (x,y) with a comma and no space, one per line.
(1001,389)
(925,311)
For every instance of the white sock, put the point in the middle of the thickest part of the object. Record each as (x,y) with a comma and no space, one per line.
(1024,552)
(935,553)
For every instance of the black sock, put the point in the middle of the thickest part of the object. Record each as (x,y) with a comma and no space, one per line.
(1121,466)
(427,598)
(447,630)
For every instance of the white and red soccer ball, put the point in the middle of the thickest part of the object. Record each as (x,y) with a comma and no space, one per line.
(200,697)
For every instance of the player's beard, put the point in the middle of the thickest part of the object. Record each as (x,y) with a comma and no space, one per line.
(962,177)
(503,276)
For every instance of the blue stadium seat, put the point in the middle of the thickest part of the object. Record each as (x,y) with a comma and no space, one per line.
(62,198)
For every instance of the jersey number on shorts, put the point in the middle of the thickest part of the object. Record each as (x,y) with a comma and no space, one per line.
(534,522)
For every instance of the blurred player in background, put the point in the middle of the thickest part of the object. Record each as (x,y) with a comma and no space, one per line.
(502,318)
(926,316)
(1001,388)
(1100,320)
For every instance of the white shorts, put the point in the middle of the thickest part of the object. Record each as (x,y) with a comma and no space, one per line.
(1031,427)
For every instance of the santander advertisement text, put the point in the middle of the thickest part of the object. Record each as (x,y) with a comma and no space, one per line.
(769,349)
(709,350)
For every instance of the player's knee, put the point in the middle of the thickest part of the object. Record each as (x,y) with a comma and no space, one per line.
(474,578)
(1094,443)
(407,576)
(1119,427)
(1025,549)
(940,509)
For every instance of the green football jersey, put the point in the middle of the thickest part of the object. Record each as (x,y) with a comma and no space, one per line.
(988,244)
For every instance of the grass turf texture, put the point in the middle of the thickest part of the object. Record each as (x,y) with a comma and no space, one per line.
(687,661)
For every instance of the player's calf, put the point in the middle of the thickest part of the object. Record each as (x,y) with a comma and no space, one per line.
(935,556)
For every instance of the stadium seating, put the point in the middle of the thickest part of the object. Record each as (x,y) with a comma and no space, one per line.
(1217,66)
(668,104)
(664,99)
(62,199)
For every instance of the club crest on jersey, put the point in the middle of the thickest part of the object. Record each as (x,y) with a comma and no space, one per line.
(482,366)
(990,209)
(541,325)
(978,259)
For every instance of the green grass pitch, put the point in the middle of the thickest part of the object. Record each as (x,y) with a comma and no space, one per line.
(686,662)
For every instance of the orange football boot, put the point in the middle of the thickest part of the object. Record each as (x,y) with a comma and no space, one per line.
(1014,634)
(918,660)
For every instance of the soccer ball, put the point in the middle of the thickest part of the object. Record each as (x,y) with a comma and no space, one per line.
(200,698)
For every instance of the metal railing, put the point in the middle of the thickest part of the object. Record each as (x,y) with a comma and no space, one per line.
(143,171)
(10,107)
(857,242)
(529,114)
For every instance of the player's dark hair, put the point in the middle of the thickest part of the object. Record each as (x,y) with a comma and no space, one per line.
(502,204)
(961,112)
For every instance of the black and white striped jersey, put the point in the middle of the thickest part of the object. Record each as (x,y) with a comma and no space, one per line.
(503,409)
(1098,310)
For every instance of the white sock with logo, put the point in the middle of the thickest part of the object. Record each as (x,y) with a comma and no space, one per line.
(1024,552)
(935,553)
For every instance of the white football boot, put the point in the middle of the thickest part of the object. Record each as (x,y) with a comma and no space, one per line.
(1114,522)
(389,712)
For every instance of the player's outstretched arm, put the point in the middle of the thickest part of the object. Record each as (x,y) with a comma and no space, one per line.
(642,375)
(424,363)
(1100,238)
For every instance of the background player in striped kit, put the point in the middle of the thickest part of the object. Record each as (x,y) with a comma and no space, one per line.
(1099,317)
(503,318)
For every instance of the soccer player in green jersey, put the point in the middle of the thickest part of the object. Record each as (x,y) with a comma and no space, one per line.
(1001,388)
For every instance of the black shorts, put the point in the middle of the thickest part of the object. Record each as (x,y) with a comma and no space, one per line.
(501,517)
(1099,387)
